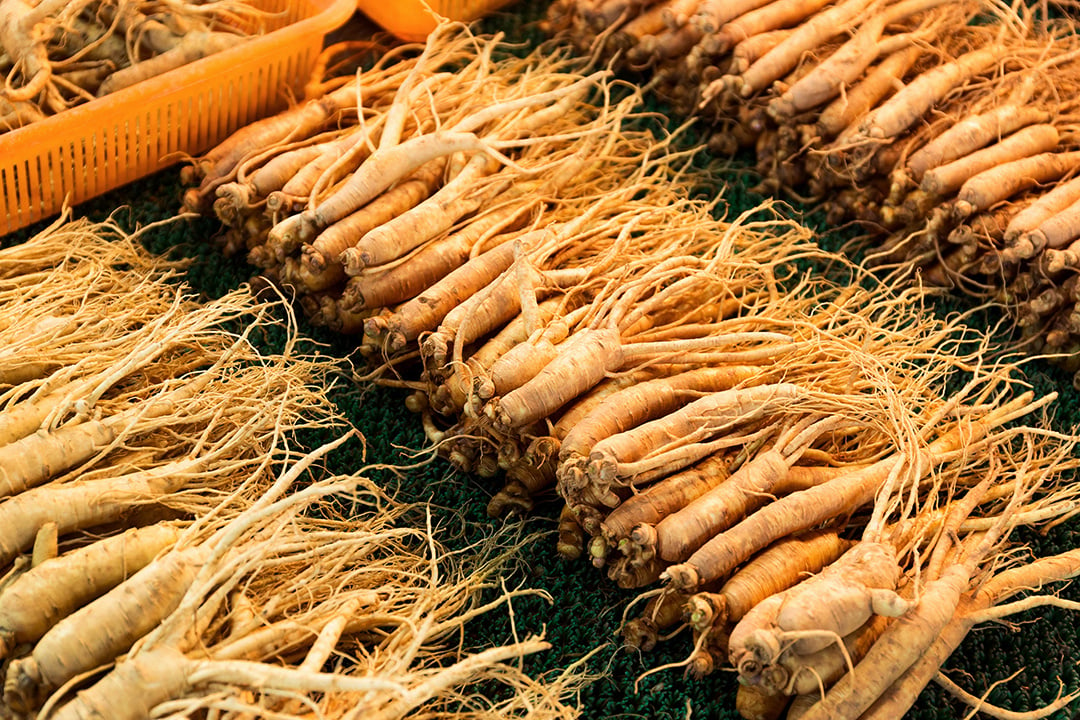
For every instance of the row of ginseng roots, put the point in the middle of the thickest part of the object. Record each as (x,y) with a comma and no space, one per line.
(504,240)
(166,548)
(947,129)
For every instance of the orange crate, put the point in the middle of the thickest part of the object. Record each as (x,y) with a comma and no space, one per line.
(411,20)
(102,144)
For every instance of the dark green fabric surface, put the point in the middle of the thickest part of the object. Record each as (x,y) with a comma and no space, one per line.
(586,607)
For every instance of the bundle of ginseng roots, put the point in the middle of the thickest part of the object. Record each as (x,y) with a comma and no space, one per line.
(149,523)
(582,322)
(948,129)
(55,55)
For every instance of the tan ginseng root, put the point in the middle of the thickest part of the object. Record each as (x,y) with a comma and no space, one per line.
(682,513)
(480,218)
(946,161)
(790,643)
(48,592)
(912,101)
(600,346)
(761,476)
(456,393)
(512,113)
(72,291)
(487,262)
(755,18)
(430,103)
(665,496)
(633,406)
(863,131)
(971,150)
(397,329)
(381,589)
(548,151)
(192,47)
(844,112)
(171,402)
(1056,232)
(330,248)
(493,252)
(568,258)
(180,336)
(222,163)
(227,438)
(536,469)
(773,570)
(530,275)
(944,180)
(914,645)
(138,605)
(907,459)
(657,38)
(816,613)
(14,115)
(220,464)
(390,285)
(963,137)
(534,272)
(840,70)
(979,605)
(647,451)
(583,169)
(990,176)
(782,58)
(262,179)
(986,189)
(596,191)
(782,565)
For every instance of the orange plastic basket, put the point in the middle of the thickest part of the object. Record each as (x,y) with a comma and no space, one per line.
(98,146)
(411,20)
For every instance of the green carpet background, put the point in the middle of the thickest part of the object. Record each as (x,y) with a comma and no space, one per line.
(586,608)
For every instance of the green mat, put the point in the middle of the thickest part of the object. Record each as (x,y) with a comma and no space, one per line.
(585,609)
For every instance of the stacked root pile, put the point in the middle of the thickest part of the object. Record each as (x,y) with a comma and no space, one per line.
(437,159)
(54,55)
(292,608)
(695,399)
(149,520)
(948,129)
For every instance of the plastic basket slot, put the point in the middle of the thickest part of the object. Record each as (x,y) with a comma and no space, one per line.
(48,181)
(22,189)
(11,200)
(177,122)
(79,167)
(68,171)
(262,88)
(141,143)
(105,176)
(148,148)
(241,102)
(33,181)
(127,150)
(156,128)
(59,175)
(6,204)
(205,119)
